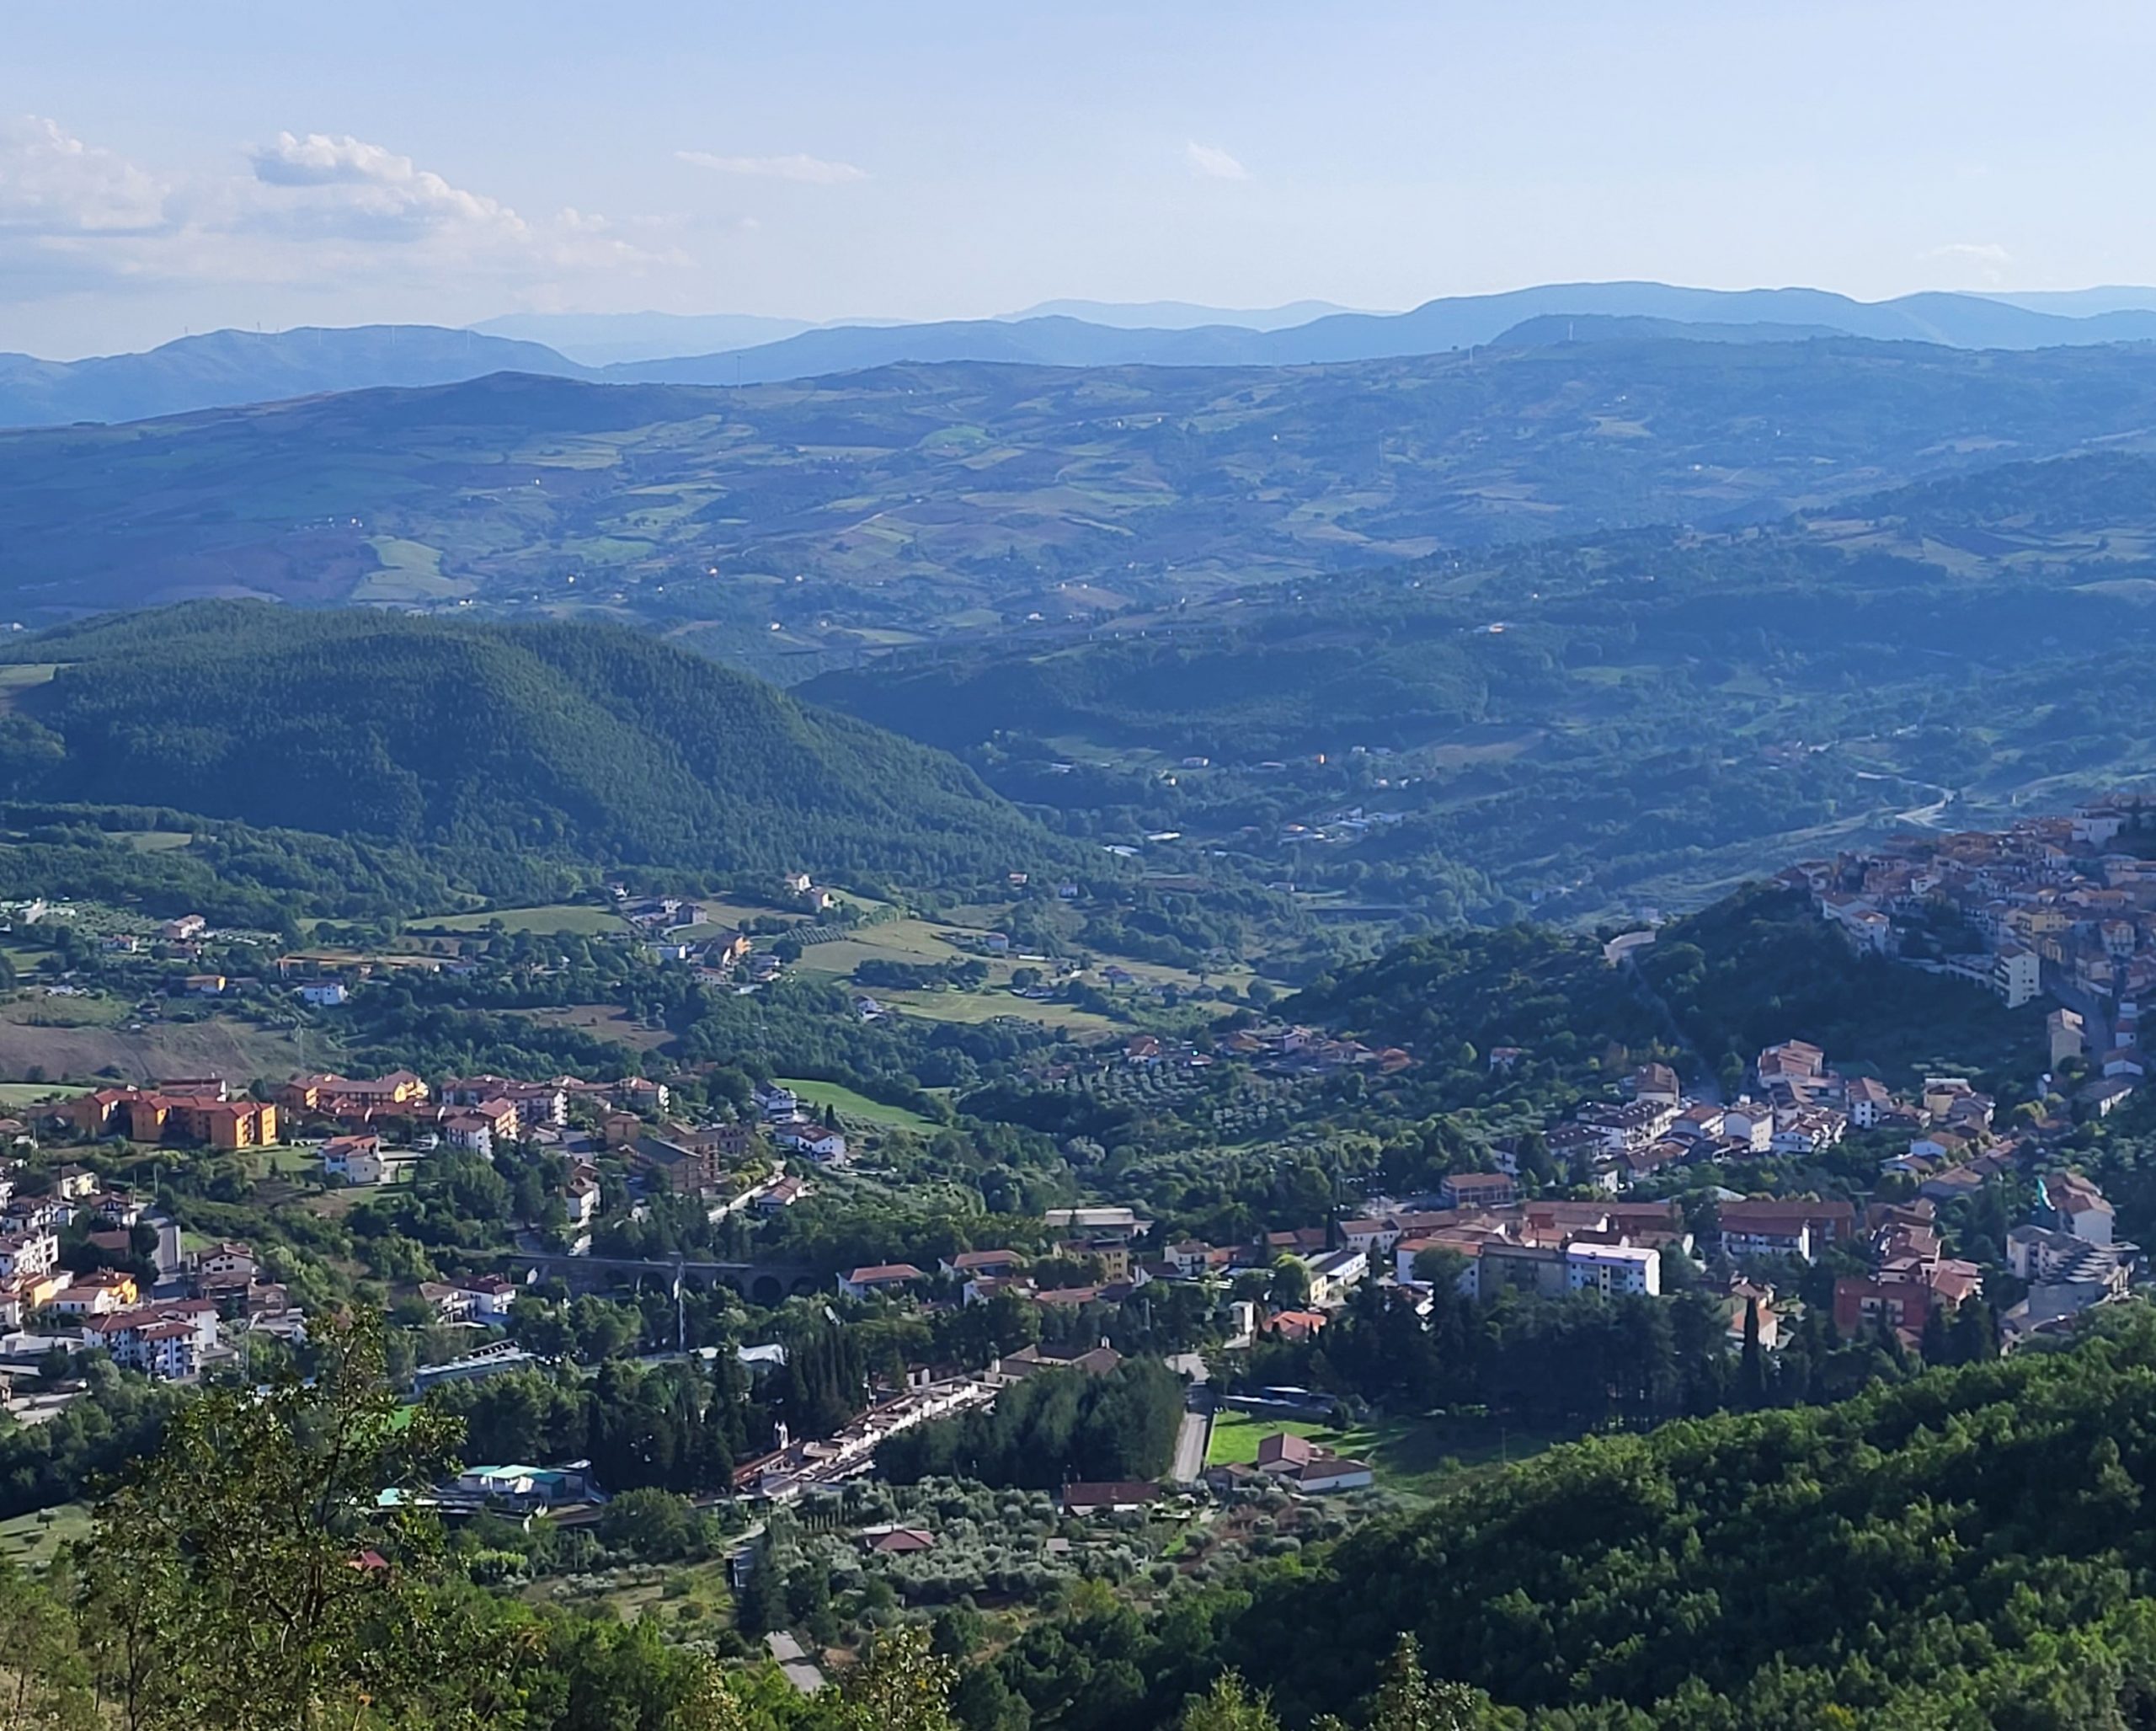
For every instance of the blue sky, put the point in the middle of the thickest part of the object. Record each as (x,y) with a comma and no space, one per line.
(168,166)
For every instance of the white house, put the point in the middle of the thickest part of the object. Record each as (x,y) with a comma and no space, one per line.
(355,1159)
(489,1296)
(1334,1272)
(323,994)
(1750,1123)
(883,1277)
(812,1139)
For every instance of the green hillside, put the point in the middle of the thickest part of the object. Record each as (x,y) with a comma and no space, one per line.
(1968,1549)
(1594,726)
(590,742)
(923,500)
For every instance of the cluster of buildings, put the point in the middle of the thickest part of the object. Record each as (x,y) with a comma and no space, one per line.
(2055,899)
(201,1111)
(790,1123)
(1307,1051)
(2069,1255)
(1797,1105)
(190,1323)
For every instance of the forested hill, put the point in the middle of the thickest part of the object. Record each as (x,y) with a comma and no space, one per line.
(1971,1548)
(576,741)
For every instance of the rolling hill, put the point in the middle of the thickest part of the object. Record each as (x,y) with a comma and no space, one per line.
(1963,1550)
(584,742)
(221,369)
(226,368)
(1613,722)
(1436,327)
(925,500)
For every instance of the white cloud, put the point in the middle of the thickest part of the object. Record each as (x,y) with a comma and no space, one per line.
(1214,162)
(1966,252)
(306,210)
(1980,264)
(812,171)
(53,185)
(321,185)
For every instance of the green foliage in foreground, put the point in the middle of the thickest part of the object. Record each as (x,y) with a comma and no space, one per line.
(1969,1549)
(250,1575)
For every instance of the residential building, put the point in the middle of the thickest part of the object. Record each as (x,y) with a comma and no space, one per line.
(1500,1266)
(1613,1270)
(1334,1273)
(1030,1360)
(1867,1098)
(27,1255)
(356,1159)
(1108,1499)
(884,1278)
(354,1099)
(681,1168)
(1476,1189)
(2017,974)
(1768,1227)
(1305,1466)
(2069,1202)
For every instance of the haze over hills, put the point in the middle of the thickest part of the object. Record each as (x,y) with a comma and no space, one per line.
(599,338)
(1604,723)
(229,368)
(1180,315)
(929,500)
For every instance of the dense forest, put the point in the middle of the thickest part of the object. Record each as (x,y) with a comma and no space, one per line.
(1715,987)
(1055,1426)
(1459,997)
(587,743)
(1964,1549)
(1760,966)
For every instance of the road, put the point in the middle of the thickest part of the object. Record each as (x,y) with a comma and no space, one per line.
(800,1669)
(1196,1434)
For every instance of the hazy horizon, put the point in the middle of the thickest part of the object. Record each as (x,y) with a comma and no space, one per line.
(163,171)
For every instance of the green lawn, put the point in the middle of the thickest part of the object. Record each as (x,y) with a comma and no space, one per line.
(282,1160)
(15,1095)
(1422,1456)
(990,1007)
(566,916)
(1236,1435)
(859,1107)
(31,1541)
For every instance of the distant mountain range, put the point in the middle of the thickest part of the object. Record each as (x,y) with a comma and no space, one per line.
(226,368)
(229,368)
(1180,315)
(602,339)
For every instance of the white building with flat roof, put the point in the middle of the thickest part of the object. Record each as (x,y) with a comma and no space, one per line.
(1613,1269)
